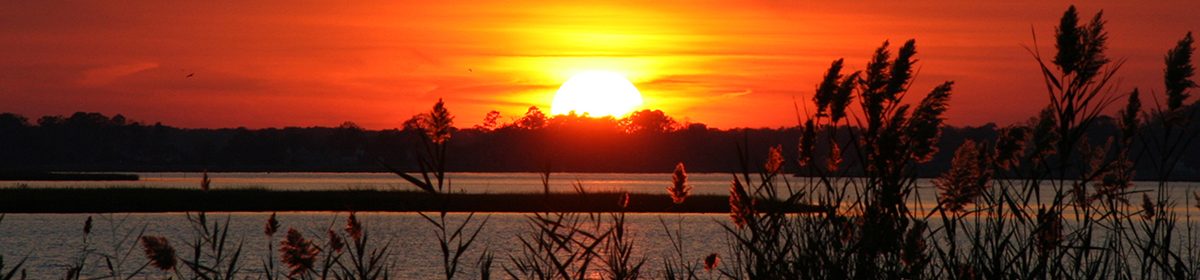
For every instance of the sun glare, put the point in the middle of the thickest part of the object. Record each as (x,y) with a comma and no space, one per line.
(596,93)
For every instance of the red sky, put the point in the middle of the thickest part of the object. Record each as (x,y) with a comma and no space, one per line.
(727,64)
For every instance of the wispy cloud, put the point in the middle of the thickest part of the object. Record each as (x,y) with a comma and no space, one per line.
(105,75)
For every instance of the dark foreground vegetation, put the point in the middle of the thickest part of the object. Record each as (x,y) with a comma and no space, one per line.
(108,200)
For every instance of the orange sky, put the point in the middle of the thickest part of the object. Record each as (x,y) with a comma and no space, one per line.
(727,64)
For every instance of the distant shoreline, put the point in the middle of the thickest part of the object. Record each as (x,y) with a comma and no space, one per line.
(65,176)
(114,200)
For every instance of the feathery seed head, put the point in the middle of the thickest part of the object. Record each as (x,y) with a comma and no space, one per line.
(1179,71)
(679,188)
(204,181)
(335,241)
(741,206)
(87,226)
(353,227)
(711,261)
(1048,231)
(1148,209)
(297,253)
(966,180)
(159,251)
(272,226)
(774,162)
(807,143)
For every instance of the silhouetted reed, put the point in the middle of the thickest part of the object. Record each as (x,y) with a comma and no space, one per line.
(159,252)
(968,178)
(297,253)
(269,229)
(559,246)
(335,241)
(711,261)
(677,266)
(454,239)
(569,245)
(679,188)
(367,261)
(1043,200)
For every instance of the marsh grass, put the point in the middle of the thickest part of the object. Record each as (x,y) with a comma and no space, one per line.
(993,219)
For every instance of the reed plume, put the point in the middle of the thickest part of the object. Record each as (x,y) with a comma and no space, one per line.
(272,226)
(913,251)
(807,143)
(924,126)
(741,206)
(967,178)
(774,162)
(1179,72)
(828,87)
(711,261)
(159,251)
(335,241)
(835,157)
(87,226)
(297,253)
(679,188)
(1044,137)
(841,99)
(1116,180)
(1128,119)
(1010,146)
(624,202)
(204,181)
(353,227)
(1147,207)
(1049,230)
(438,123)
(1081,47)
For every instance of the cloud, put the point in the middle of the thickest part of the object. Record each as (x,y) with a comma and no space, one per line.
(106,75)
(737,94)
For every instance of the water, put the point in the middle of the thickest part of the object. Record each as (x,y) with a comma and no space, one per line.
(52,241)
(707,183)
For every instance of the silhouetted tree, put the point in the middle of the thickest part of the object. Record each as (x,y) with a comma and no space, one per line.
(11,121)
(647,121)
(533,119)
(490,122)
(415,123)
(573,121)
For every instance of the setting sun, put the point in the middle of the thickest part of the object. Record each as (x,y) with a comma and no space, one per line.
(596,93)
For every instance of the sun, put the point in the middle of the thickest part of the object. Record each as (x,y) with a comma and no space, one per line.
(596,93)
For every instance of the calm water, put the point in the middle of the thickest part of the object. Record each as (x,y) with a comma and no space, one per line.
(53,240)
(710,183)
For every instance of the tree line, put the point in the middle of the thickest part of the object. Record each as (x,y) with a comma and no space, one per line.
(645,141)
